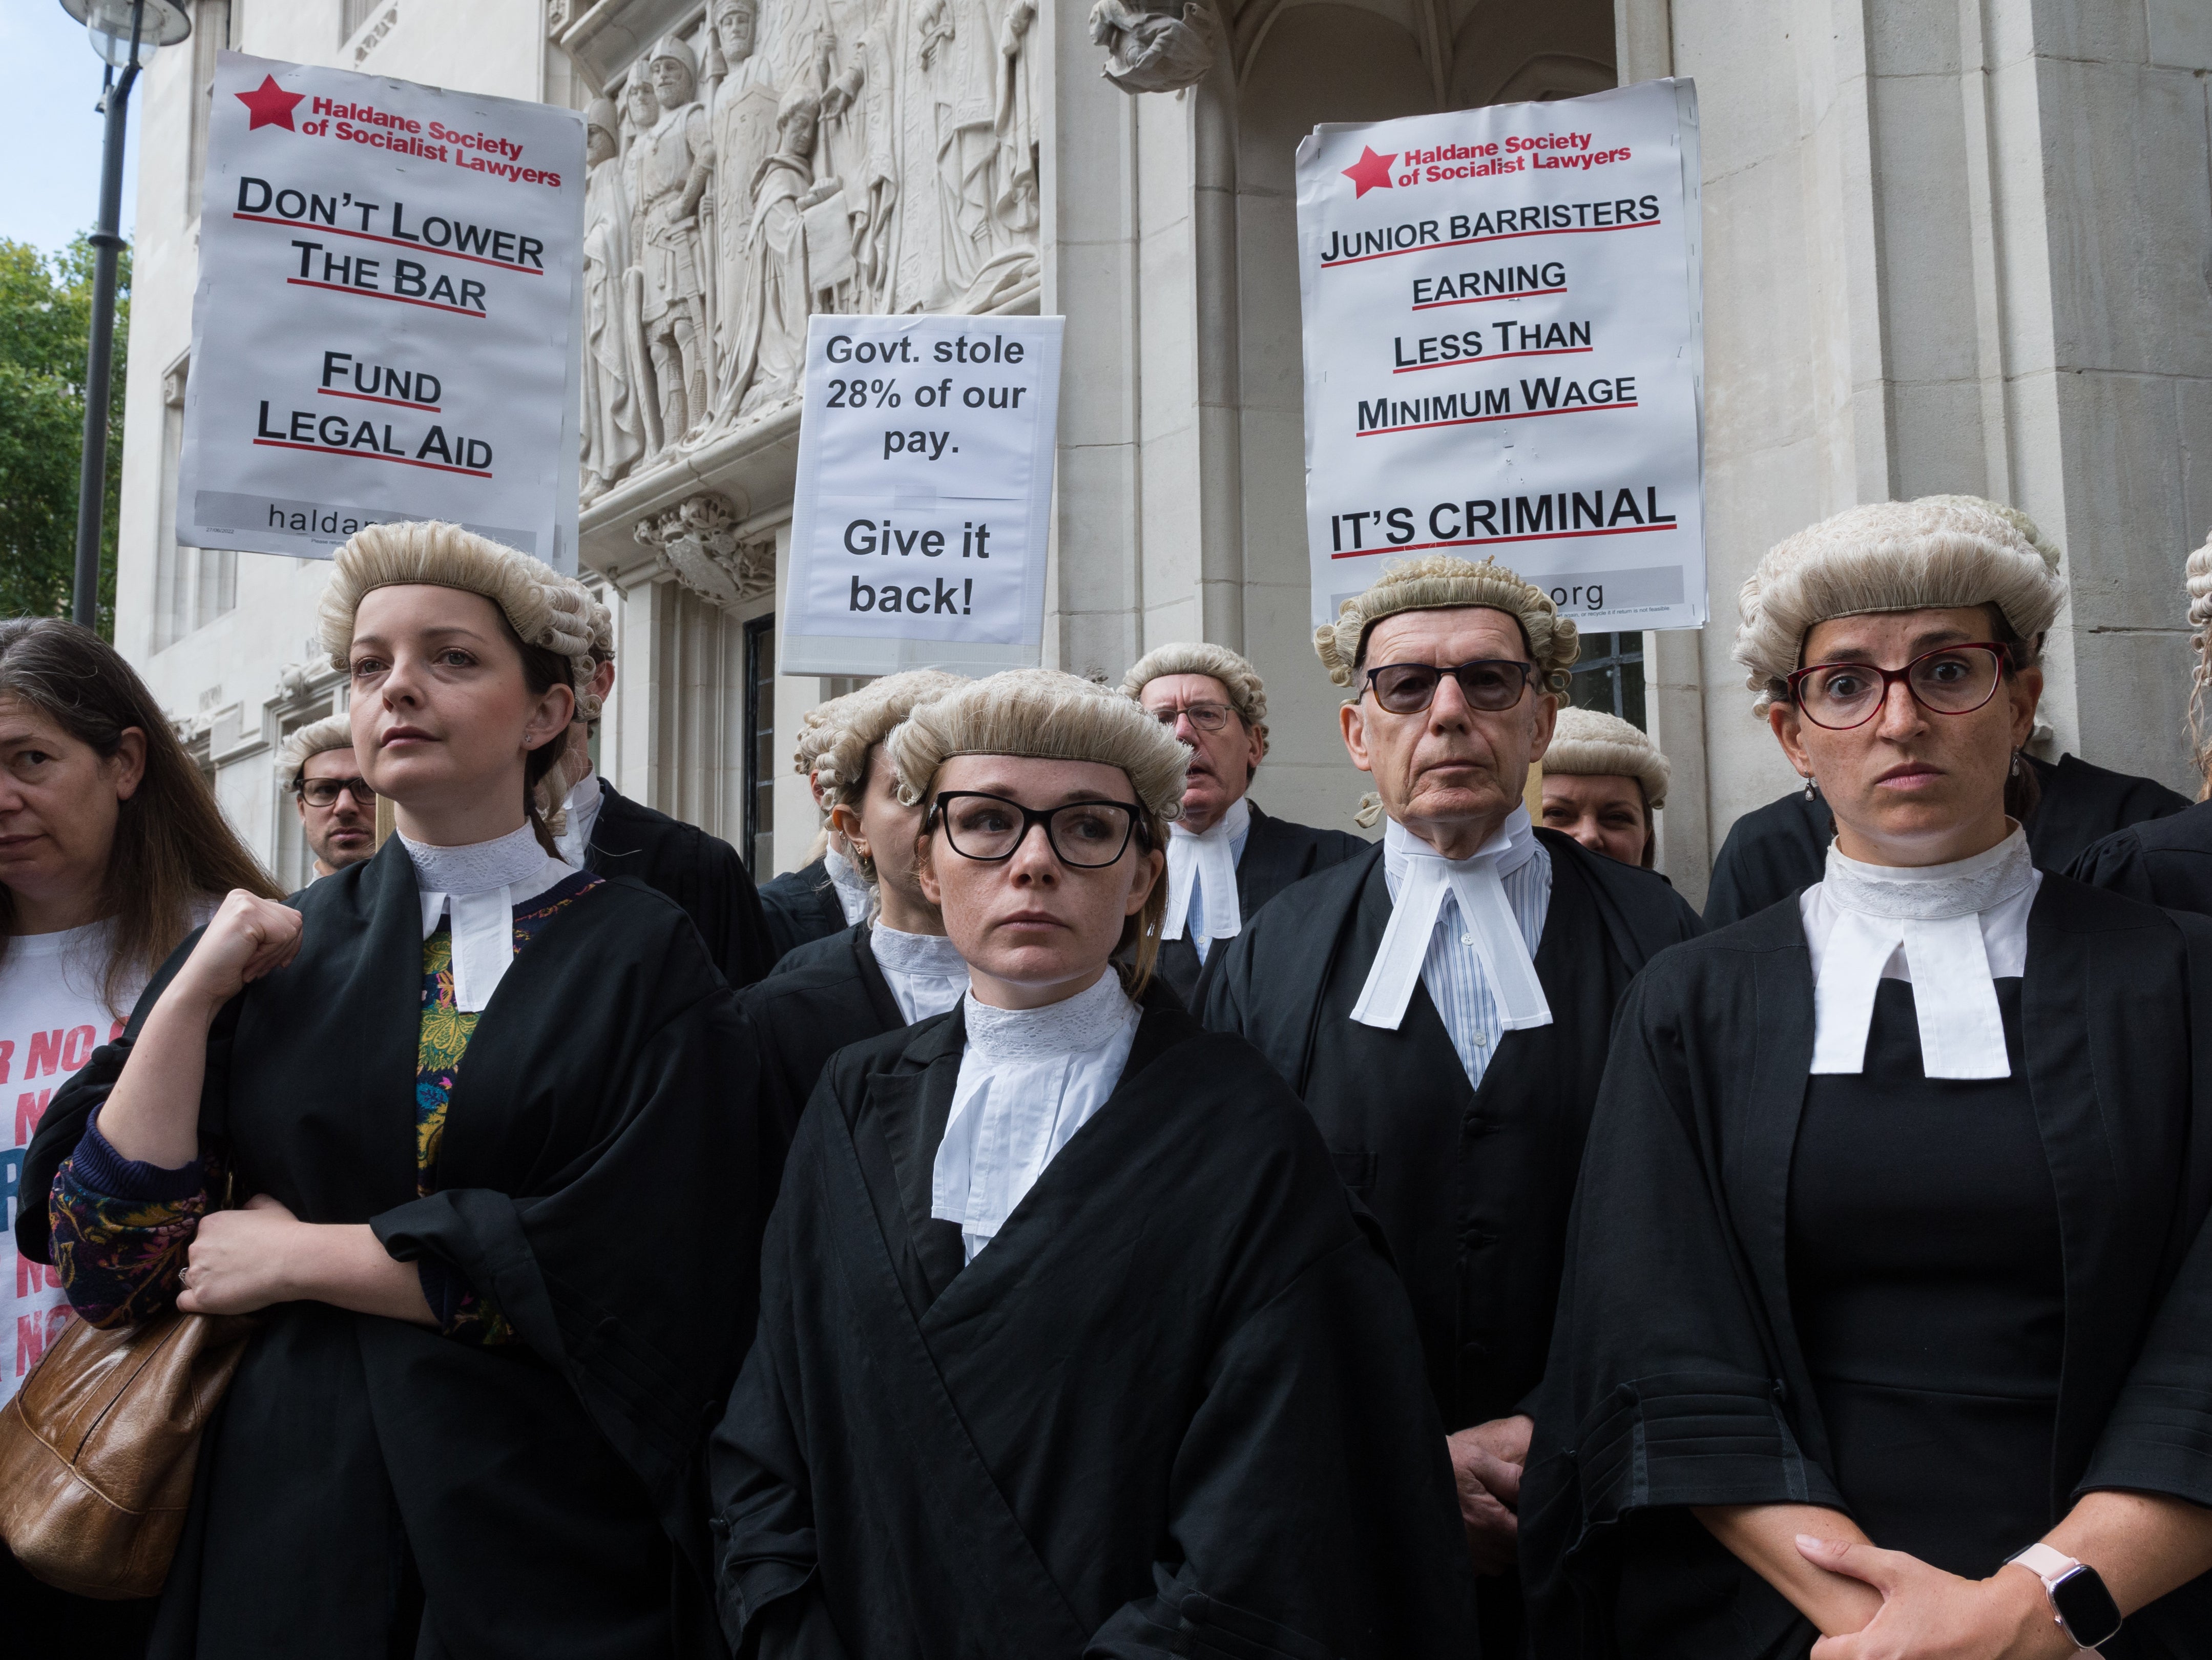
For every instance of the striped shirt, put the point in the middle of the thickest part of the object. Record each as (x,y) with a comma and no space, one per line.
(1452,970)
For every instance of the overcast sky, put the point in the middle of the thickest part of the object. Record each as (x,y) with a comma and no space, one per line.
(49,131)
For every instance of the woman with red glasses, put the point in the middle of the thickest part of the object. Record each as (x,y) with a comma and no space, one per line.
(1888,1319)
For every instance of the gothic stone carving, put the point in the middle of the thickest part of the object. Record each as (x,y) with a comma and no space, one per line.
(1149,49)
(697,542)
(784,157)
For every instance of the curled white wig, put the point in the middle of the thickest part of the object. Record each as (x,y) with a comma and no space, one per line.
(2199,583)
(544,608)
(1936,553)
(1442,582)
(1586,743)
(1248,693)
(303,744)
(864,720)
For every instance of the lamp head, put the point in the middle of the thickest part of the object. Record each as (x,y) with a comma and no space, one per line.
(110,23)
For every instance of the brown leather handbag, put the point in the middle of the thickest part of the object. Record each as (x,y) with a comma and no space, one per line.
(98,1447)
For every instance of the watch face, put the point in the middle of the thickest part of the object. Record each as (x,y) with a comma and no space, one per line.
(2091,1615)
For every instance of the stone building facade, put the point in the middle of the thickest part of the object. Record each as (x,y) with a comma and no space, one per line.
(1947,248)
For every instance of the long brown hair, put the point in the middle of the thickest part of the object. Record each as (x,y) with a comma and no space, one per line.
(173,850)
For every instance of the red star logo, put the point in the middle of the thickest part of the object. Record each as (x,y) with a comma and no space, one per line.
(272,106)
(1370,172)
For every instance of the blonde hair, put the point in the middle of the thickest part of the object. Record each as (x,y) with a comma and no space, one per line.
(1045,714)
(865,719)
(1936,553)
(332,732)
(1441,581)
(1588,744)
(1248,693)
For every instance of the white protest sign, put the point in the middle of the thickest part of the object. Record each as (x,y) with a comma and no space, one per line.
(388,317)
(921,512)
(1504,350)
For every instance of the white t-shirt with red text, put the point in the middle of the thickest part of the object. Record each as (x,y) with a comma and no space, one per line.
(51,1019)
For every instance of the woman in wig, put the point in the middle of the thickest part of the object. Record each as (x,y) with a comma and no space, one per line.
(826,894)
(496,1127)
(894,966)
(1888,1302)
(2168,861)
(1071,1342)
(1603,779)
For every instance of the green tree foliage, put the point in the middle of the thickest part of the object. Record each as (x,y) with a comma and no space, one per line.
(45,311)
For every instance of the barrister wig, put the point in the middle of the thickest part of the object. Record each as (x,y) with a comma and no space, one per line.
(1440,581)
(1938,552)
(332,732)
(545,610)
(1049,715)
(2200,639)
(864,720)
(1248,693)
(1586,744)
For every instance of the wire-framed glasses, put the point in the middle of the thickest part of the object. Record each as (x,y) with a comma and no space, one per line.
(1488,683)
(1206,717)
(1082,834)
(1949,680)
(323,792)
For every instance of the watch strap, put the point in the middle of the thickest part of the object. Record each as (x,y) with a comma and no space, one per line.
(2044,1562)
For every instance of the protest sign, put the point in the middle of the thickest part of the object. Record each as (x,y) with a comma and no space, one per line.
(387,321)
(922,512)
(1504,350)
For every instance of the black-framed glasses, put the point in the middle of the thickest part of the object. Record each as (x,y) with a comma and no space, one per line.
(1949,680)
(1082,835)
(1488,683)
(1206,717)
(324,791)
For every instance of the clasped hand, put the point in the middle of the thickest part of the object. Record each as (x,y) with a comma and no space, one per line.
(248,937)
(240,1261)
(1929,1615)
(1487,1464)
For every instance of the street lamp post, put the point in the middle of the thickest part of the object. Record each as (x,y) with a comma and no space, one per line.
(125,33)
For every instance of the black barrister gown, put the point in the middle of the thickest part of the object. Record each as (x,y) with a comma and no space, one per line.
(2166,861)
(604,1173)
(827,994)
(800,905)
(701,873)
(1174,1407)
(1713,1346)
(1276,853)
(1776,850)
(1471,1187)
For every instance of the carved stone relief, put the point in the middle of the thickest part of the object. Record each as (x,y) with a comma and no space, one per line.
(697,542)
(1149,48)
(778,158)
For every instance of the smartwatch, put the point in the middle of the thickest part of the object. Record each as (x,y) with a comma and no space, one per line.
(2084,1609)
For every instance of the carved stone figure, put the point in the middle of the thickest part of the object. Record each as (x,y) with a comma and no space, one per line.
(859,141)
(613,430)
(743,94)
(781,286)
(1017,125)
(674,164)
(697,542)
(1148,50)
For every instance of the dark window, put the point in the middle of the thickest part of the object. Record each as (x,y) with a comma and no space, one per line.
(760,747)
(1608,677)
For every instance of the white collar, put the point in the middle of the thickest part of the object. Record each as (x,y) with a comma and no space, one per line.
(481,883)
(851,887)
(898,952)
(1420,877)
(1207,860)
(1938,917)
(1091,1017)
(580,811)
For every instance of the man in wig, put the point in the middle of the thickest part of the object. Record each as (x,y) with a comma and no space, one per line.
(338,809)
(1070,1342)
(1225,857)
(1442,1002)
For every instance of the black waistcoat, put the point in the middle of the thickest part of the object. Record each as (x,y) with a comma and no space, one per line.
(1471,1186)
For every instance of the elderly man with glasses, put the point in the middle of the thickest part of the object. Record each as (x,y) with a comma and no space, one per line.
(338,809)
(1225,857)
(1442,1003)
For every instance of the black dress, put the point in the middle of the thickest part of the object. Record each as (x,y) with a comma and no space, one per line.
(823,995)
(606,1171)
(1774,851)
(2167,861)
(800,905)
(1175,1407)
(1276,853)
(701,873)
(1839,1291)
